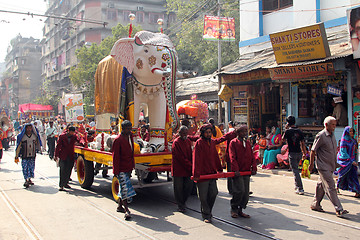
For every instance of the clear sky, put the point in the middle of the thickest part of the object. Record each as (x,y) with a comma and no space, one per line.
(13,24)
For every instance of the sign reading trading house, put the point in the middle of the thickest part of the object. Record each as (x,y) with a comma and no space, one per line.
(300,44)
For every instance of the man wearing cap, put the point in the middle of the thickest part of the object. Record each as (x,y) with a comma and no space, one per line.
(206,161)
(339,112)
(242,160)
(123,164)
(64,152)
(181,167)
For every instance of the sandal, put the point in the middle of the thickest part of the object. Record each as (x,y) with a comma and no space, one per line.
(317,209)
(243,215)
(341,213)
(127,216)
(234,215)
(357,195)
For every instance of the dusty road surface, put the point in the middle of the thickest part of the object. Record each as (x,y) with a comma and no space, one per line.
(42,212)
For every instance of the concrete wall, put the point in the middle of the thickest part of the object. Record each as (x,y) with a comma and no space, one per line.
(337,12)
(254,24)
(307,17)
(249,19)
(278,21)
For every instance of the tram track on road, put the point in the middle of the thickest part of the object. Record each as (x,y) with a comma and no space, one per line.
(33,234)
(20,217)
(219,219)
(101,210)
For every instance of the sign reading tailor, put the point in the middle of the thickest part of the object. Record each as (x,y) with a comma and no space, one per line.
(304,71)
(219,28)
(300,44)
(334,91)
(74,108)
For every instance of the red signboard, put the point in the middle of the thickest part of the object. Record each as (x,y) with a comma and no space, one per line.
(219,28)
(303,71)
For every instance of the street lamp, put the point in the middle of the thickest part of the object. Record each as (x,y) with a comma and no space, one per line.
(160,22)
(132,18)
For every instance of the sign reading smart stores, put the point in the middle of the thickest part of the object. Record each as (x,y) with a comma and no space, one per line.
(300,44)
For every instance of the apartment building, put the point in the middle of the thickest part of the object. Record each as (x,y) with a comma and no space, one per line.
(22,81)
(63,37)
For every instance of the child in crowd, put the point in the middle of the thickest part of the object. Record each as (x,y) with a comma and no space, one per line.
(262,146)
(283,158)
(256,149)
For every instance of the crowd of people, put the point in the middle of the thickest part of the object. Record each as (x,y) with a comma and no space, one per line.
(241,152)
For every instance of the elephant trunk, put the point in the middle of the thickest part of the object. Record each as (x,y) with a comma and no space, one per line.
(162,73)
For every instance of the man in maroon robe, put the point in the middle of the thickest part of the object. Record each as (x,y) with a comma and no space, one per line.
(181,168)
(242,159)
(65,154)
(123,164)
(206,161)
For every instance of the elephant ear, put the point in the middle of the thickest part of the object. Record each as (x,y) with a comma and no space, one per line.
(122,51)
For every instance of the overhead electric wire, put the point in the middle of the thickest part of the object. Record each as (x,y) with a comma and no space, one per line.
(196,10)
(56,17)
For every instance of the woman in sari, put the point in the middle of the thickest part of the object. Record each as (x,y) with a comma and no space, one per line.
(348,179)
(273,149)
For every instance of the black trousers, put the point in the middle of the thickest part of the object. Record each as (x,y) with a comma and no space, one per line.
(241,186)
(229,180)
(207,191)
(65,171)
(51,146)
(182,190)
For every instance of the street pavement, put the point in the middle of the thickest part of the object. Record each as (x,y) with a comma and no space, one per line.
(42,212)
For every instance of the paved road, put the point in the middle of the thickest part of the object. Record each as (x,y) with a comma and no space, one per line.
(42,212)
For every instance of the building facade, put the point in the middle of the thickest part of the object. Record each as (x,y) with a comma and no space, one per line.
(63,37)
(22,80)
(264,94)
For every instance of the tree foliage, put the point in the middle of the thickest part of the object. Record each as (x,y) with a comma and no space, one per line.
(187,32)
(48,97)
(82,75)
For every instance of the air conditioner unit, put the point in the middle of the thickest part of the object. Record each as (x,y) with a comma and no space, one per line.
(111,5)
(140,8)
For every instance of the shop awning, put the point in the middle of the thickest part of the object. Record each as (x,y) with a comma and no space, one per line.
(197,85)
(30,107)
(338,43)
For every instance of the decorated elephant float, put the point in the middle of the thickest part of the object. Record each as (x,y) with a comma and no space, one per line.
(140,71)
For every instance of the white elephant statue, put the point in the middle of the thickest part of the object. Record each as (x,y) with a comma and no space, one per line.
(152,60)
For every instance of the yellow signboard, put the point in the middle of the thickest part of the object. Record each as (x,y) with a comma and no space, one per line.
(300,44)
(225,93)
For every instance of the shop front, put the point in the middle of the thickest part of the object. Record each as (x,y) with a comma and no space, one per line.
(256,99)
(316,91)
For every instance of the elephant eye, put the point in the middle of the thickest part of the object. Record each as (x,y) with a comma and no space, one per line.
(146,50)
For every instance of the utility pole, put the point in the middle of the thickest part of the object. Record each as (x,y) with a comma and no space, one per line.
(219,69)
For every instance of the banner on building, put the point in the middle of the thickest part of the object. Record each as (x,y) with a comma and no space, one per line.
(353,17)
(303,71)
(219,28)
(300,44)
(74,108)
